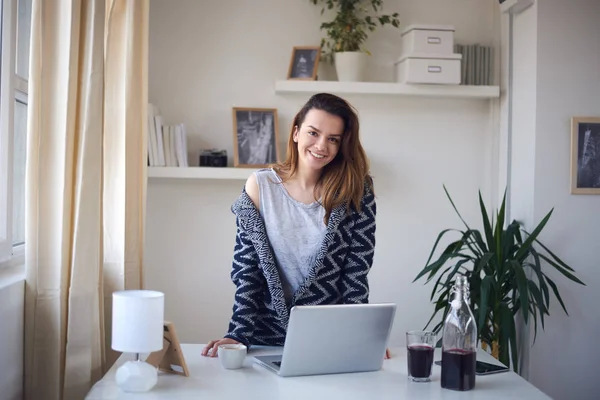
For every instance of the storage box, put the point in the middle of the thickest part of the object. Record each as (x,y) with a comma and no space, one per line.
(432,39)
(429,68)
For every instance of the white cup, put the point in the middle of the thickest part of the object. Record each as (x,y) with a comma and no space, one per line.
(232,355)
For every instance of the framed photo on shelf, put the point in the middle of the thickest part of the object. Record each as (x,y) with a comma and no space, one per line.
(170,358)
(255,137)
(585,155)
(304,63)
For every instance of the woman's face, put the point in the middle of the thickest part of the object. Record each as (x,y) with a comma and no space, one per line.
(318,138)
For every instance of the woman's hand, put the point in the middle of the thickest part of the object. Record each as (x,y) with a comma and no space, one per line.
(213,346)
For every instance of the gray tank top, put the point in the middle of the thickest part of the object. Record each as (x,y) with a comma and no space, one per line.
(295,230)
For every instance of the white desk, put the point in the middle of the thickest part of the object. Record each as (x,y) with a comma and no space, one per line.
(208,380)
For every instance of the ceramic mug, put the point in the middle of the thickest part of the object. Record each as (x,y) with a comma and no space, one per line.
(232,355)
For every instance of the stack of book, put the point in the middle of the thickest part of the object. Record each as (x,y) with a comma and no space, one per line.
(167,144)
(477,61)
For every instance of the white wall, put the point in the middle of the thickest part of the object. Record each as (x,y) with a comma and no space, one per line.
(567,82)
(206,57)
(12,308)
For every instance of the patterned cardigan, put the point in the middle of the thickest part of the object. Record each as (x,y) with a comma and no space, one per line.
(339,275)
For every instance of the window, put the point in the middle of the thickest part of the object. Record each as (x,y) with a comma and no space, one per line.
(14,70)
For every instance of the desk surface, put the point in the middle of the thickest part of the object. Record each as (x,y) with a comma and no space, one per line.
(208,380)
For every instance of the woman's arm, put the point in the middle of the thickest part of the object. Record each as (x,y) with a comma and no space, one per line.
(360,255)
(250,284)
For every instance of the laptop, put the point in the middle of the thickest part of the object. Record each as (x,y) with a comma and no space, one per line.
(333,339)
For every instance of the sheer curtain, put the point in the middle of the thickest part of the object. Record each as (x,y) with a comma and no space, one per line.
(85,185)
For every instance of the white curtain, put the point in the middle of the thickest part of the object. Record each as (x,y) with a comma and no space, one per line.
(85,185)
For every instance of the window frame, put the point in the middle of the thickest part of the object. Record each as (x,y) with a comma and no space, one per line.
(12,88)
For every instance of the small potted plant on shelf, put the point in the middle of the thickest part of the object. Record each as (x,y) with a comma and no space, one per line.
(347,32)
(505,275)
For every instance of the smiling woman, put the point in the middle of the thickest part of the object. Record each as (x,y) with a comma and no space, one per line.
(305,227)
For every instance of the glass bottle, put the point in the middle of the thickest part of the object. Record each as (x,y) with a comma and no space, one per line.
(459,341)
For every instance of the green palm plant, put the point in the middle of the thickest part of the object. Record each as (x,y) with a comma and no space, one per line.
(505,275)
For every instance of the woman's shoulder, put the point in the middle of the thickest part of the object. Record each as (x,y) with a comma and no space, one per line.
(367,203)
(368,190)
(369,185)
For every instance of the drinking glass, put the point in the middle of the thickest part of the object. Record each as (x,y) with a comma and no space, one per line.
(420,345)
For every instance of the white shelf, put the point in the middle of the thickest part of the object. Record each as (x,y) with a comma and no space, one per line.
(385,88)
(200,172)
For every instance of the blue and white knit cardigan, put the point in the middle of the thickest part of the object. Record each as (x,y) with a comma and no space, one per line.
(260,313)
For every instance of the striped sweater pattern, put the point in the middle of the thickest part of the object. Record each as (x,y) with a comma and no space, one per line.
(339,275)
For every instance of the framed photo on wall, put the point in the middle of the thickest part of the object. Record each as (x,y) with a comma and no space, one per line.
(585,155)
(255,137)
(304,63)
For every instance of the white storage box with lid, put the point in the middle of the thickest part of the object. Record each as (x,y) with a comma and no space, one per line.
(431,39)
(429,68)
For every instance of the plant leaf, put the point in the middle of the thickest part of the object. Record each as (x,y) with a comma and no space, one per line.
(486,284)
(533,236)
(537,268)
(439,237)
(555,290)
(562,270)
(455,209)
(533,311)
(522,285)
(440,304)
(509,331)
(538,304)
(483,261)
(487,227)
(438,282)
(448,253)
(499,230)
(555,257)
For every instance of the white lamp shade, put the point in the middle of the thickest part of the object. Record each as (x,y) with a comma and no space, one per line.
(137,321)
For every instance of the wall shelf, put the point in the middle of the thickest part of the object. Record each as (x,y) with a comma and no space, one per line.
(385,88)
(223,173)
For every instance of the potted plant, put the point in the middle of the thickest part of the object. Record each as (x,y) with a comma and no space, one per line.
(506,278)
(347,32)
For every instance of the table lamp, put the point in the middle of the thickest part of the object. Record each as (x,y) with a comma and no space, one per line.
(137,327)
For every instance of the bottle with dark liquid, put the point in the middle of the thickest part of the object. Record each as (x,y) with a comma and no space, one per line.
(459,341)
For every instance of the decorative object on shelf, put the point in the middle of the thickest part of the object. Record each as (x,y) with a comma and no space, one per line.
(347,32)
(137,327)
(170,358)
(167,144)
(505,275)
(255,137)
(477,62)
(213,158)
(428,39)
(429,68)
(428,56)
(585,155)
(304,63)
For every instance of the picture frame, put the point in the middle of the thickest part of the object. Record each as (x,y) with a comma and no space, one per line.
(255,137)
(585,155)
(304,63)
(170,359)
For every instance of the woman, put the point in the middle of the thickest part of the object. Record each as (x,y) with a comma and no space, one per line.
(305,227)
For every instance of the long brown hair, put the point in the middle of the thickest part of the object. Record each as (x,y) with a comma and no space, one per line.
(343,180)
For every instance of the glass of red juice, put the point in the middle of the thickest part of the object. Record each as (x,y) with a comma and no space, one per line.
(420,345)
